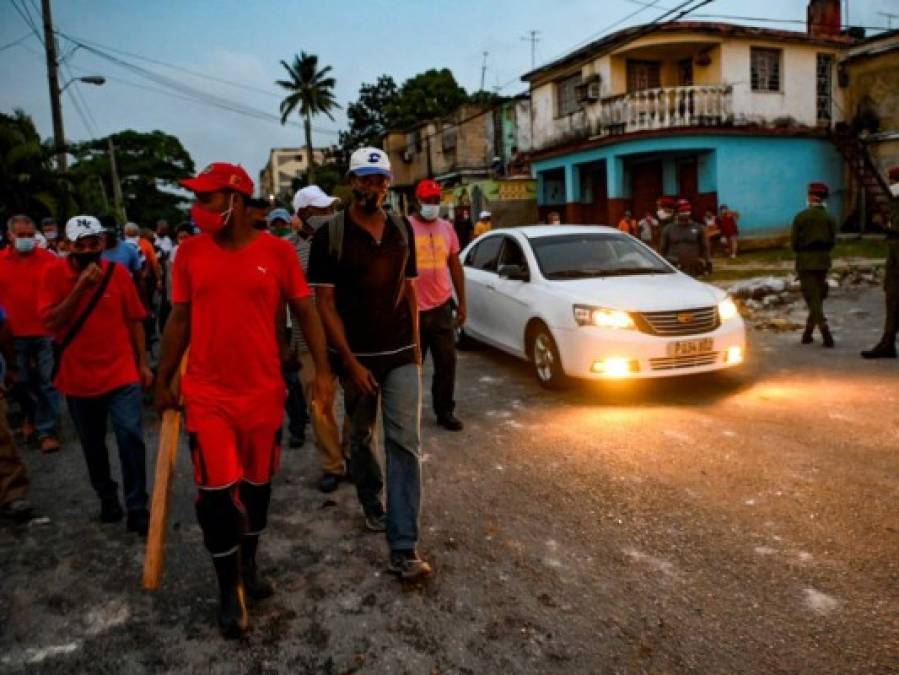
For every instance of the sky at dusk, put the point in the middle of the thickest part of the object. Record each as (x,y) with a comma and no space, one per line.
(243,42)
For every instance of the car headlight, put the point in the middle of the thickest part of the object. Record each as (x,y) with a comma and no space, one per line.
(585,315)
(727,310)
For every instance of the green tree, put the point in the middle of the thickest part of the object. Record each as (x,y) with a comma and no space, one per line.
(366,115)
(311,93)
(28,182)
(428,95)
(149,165)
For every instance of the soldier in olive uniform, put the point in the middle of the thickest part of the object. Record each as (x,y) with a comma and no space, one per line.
(813,238)
(886,348)
(684,242)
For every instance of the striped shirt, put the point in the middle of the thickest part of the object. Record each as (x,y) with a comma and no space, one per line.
(302,247)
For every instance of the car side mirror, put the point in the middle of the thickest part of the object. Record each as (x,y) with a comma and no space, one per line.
(513,272)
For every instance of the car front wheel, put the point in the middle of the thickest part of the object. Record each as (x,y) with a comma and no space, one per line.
(545,359)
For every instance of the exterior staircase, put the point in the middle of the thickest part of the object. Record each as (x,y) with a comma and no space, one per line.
(865,172)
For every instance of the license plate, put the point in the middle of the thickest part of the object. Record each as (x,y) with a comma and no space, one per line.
(690,347)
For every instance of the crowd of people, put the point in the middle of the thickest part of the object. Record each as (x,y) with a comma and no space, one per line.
(261,327)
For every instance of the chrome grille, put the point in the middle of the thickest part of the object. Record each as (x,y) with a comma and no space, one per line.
(679,322)
(675,362)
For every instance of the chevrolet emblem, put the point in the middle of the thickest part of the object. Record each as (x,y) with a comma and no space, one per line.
(685,317)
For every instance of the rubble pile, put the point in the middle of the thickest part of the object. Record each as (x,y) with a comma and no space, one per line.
(775,303)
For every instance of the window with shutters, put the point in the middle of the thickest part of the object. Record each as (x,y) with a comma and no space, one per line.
(566,96)
(765,67)
(643,75)
(824,84)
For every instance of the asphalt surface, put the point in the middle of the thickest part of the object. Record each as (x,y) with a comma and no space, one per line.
(740,523)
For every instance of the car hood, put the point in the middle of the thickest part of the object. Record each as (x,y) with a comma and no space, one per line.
(639,293)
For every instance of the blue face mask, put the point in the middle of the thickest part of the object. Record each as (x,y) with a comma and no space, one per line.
(25,244)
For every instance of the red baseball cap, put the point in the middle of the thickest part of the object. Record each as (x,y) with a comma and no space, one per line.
(819,189)
(220,176)
(666,201)
(683,206)
(427,188)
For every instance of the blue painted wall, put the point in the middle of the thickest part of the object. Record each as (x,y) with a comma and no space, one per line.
(764,178)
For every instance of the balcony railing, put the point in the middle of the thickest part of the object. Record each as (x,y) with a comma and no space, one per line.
(665,108)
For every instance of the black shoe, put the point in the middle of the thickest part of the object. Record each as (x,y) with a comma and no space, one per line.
(450,421)
(807,337)
(329,482)
(256,587)
(297,441)
(880,351)
(376,521)
(408,566)
(139,522)
(232,612)
(828,338)
(18,511)
(111,510)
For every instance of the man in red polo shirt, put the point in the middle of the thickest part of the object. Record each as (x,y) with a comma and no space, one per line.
(228,285)
(21,267)
(103,366)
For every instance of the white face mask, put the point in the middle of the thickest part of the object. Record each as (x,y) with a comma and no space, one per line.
(430,211)
(25,244)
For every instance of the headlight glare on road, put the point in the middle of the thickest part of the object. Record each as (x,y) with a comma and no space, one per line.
(586,315)
(727,310)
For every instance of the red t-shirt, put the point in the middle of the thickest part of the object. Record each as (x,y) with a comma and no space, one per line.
(234,365)
(20,277)
(101,357)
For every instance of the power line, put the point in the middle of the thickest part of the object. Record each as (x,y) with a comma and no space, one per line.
(15,42)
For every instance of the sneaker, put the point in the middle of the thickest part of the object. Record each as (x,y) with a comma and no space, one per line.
(111,510)
(49,444)
(329,482)
(139,522)
(450,422)
(408,566)
(376,522)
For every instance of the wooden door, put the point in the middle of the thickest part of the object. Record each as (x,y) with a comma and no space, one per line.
(646,187)
(688,179)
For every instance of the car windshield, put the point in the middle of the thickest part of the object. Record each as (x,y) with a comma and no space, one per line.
(591,254)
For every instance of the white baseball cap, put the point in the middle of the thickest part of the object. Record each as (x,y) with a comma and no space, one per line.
(484,214)
(368,161)
(79,227)
(312,195)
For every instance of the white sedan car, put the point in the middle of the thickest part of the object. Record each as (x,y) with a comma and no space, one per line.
(592,302)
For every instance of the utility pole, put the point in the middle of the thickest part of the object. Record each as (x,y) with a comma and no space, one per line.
(59,139)
(889,18)
(116,185)
(533,37)
(483,71)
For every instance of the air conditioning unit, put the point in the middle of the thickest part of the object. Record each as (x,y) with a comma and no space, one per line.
(588,91)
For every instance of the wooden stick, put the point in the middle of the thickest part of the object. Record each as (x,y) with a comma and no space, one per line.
(159,507)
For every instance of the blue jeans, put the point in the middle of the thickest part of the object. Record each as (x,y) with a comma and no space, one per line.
(400,403)
(123,406)
(36,394)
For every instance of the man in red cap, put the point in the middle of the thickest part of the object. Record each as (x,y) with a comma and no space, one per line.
(886,348)
(439,272)
(684,242)
(227,287)
(813,238)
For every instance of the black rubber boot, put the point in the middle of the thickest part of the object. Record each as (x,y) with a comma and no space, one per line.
(881,350)
(257,588)
(828,338)
(807,338)
(232,613)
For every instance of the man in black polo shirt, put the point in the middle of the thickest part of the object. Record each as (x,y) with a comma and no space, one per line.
(362,265)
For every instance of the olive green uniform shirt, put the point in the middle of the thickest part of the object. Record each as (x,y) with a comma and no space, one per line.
(813,238)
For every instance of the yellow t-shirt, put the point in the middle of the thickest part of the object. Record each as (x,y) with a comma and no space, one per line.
(481,227)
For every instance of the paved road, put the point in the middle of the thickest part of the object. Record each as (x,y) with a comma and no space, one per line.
(737,524)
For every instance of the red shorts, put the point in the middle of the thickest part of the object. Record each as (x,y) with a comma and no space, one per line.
(223,455)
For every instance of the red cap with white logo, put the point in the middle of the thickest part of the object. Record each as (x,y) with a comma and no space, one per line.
(220,176)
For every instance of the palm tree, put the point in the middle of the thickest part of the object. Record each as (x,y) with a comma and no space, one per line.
(312,90)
